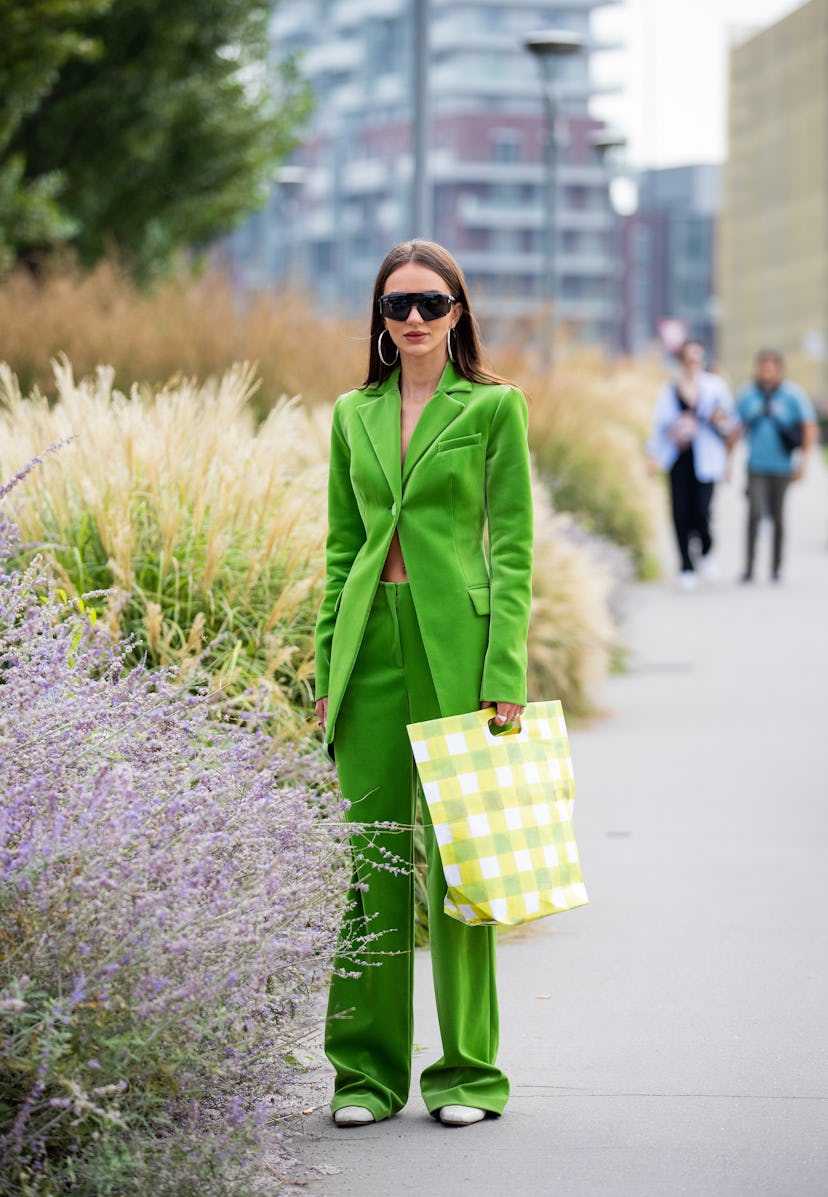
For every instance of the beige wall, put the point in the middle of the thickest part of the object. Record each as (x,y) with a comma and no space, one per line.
(773,264)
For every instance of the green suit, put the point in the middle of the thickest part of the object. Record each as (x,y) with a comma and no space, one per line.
(455,635)
(467,460)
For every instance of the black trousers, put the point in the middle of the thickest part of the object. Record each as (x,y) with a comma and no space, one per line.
(691,507)
(766,496)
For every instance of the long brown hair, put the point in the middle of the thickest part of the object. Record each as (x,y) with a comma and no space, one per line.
(468,355)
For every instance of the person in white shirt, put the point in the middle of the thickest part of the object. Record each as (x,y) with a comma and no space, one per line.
(691,419)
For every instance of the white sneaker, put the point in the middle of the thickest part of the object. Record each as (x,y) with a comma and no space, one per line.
(461,1115)
(353,1116)
(688,580)
(708,568)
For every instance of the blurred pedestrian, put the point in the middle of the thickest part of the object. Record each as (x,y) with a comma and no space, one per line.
(423,616)
(779,423)
(691,420)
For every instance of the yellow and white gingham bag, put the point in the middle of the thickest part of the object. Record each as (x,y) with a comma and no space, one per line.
(501,805)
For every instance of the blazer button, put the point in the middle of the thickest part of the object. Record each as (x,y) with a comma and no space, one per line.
(394,510)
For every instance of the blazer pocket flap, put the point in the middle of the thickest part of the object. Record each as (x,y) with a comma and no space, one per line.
(481,599)
(459,442)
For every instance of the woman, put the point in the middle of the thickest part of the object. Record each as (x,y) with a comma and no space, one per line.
(691,420)
(418,623)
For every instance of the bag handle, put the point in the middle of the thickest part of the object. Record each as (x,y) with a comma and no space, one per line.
(496,731)
(513,728)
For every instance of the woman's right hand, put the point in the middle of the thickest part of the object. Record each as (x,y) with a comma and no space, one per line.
(322,712)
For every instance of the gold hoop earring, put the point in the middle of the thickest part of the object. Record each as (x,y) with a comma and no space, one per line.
(448,343)
(394,360)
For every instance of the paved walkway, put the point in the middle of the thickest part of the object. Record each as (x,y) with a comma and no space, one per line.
(670,1038)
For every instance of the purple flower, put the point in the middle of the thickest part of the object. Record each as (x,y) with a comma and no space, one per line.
(196,869)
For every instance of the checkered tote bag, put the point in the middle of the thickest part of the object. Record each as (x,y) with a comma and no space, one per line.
(501,805)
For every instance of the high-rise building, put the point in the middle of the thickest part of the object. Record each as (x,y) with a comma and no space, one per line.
(669,249)
(774,259)
(348,196)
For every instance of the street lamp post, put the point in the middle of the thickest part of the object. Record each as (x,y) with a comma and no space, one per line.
(420,205)
(288,180)
(547,45)
(608,143)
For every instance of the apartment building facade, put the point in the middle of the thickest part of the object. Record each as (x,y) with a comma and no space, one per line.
(669,254)
(774,255)
(346,196)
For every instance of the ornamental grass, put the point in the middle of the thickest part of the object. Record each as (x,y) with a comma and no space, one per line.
(184,326)
(205,528)
(589,418)
(574,636)
(170,890)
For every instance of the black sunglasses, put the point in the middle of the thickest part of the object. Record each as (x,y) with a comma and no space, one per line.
(430,304)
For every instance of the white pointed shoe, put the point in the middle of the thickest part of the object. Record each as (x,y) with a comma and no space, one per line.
(353,1116)
(461,1115)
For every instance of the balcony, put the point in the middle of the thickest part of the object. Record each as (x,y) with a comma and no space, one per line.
(589,309)
(592,266)
(474,213)
(488,262)
(494,305)
(586,220)
(366,176)
(600,266)
(448,81)
(445,168)
(339,57)
(349,13)
(501,308)
(563,6)
(455,34)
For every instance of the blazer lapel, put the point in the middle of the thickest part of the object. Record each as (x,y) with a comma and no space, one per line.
(443,407)
(380,416)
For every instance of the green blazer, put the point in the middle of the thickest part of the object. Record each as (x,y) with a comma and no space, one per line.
(467,466)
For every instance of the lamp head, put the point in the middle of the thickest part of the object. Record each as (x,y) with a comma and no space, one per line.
(553,43)
(604,140)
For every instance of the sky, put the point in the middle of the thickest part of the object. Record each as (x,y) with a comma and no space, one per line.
(673,73)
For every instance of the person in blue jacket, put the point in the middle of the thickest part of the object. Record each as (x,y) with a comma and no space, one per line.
(778,421)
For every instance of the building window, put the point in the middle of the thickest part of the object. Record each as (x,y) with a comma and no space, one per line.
(504,195)
(642,245)
(507,145)
(505,241)
(577,198)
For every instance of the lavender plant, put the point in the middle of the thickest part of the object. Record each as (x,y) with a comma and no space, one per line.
(170,891)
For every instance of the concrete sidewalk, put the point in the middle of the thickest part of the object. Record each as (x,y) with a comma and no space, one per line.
(669,1038)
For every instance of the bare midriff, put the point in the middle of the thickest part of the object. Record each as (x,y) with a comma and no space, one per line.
(394,569)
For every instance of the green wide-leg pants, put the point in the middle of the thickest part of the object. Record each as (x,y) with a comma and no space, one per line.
(369,1030)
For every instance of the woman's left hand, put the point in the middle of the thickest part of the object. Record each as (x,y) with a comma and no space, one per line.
(507,712)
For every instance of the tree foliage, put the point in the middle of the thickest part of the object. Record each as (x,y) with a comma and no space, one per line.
(36,39)
(137,125)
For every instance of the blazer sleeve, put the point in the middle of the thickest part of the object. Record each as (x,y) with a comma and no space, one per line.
(660,446)
(346,535)
(509,509)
